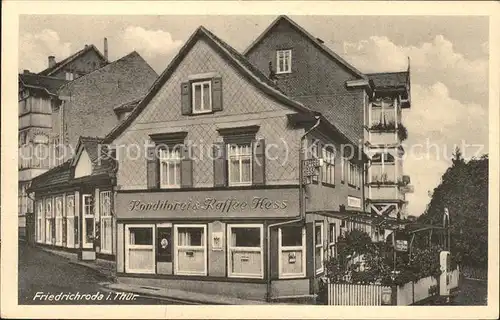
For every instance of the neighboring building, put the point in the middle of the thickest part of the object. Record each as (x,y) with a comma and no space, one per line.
(215,203)
(90,105)
(384,133)
(78,64)
(308,71)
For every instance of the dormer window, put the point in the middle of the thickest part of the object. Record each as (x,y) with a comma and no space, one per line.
(202,96)
(284,61)
(70,76)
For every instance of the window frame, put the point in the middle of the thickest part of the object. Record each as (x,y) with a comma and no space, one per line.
(48,218)
(59,220)
(282,249)
(231,249)
(164,157)
(285,57)
(201,83)
(320,245)
(328,164)
(70,221)
(40,221)
(129,246)
(240,157)
(85,215)
(105,215)
(332,242)
(176,249)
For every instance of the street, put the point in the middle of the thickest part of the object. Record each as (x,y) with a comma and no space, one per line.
(44,273)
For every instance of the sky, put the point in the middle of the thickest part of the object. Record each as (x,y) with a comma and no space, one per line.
(448,57)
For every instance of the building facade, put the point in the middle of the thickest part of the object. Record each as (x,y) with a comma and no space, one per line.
(40,122)
(73,208)
(213,203)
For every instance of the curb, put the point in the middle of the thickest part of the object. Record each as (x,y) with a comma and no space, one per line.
(108,277)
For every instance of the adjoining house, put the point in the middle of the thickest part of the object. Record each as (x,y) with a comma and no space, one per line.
(38,98)
(367,108)
(79,186)
(213,203)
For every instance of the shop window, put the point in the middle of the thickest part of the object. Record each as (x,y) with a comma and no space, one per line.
(332,240)
(59,220)
(292,259)
(170,168)
(240,164)
(39,222)
(284,61)
(328,174)
(71,222)
(48,221)
(190,250)
(88,219)
(318,246)
(106,221)
(139,248)
(245,247)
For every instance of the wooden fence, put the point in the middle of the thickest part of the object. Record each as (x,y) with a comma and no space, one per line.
(344,294)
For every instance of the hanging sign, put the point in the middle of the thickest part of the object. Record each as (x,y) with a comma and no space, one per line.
(401,245)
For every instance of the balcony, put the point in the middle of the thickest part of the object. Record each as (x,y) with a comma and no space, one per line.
(385,192)
(384,133)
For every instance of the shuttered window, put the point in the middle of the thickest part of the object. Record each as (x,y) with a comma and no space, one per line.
(169,162)
(201,96)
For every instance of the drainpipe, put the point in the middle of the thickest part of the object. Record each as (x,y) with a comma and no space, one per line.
(299,218)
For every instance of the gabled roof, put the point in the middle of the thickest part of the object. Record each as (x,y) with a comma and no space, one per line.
(311,38)
(384,80)
(49,84)
(233,57)
(73,57)
(63,175)
(124,64)
(55,176)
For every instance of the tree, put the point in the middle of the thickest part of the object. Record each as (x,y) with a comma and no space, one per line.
(464,191)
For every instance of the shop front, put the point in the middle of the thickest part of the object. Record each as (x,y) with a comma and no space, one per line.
(216,241)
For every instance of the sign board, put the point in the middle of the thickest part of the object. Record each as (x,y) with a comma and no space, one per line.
(401,245)
(408,189)
(208,204)
(217,239)
(310,166)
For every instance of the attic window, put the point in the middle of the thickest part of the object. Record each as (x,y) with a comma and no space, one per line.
(284,61)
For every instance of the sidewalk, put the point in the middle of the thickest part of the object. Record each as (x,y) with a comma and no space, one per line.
(193,297)
(105,268)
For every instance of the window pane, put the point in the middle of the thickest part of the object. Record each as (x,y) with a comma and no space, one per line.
(206,96)
(332,233)
(141,236)
(190,237)
(197,98)
(291,236)
(89,229)
(171,174)
(319,258)
(234,170)
(245,237)
(317,231)
(245,170)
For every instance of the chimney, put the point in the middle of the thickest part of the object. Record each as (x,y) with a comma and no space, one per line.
(26,71)
(86,46)
(106,48)
(52,61)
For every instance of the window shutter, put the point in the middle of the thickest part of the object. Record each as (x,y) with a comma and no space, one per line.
(186,98)
(153,172)
(220,164)
(259,162)
(217,94)
(318,155)
(186,168)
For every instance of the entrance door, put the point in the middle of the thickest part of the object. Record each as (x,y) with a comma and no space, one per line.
(88,221)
